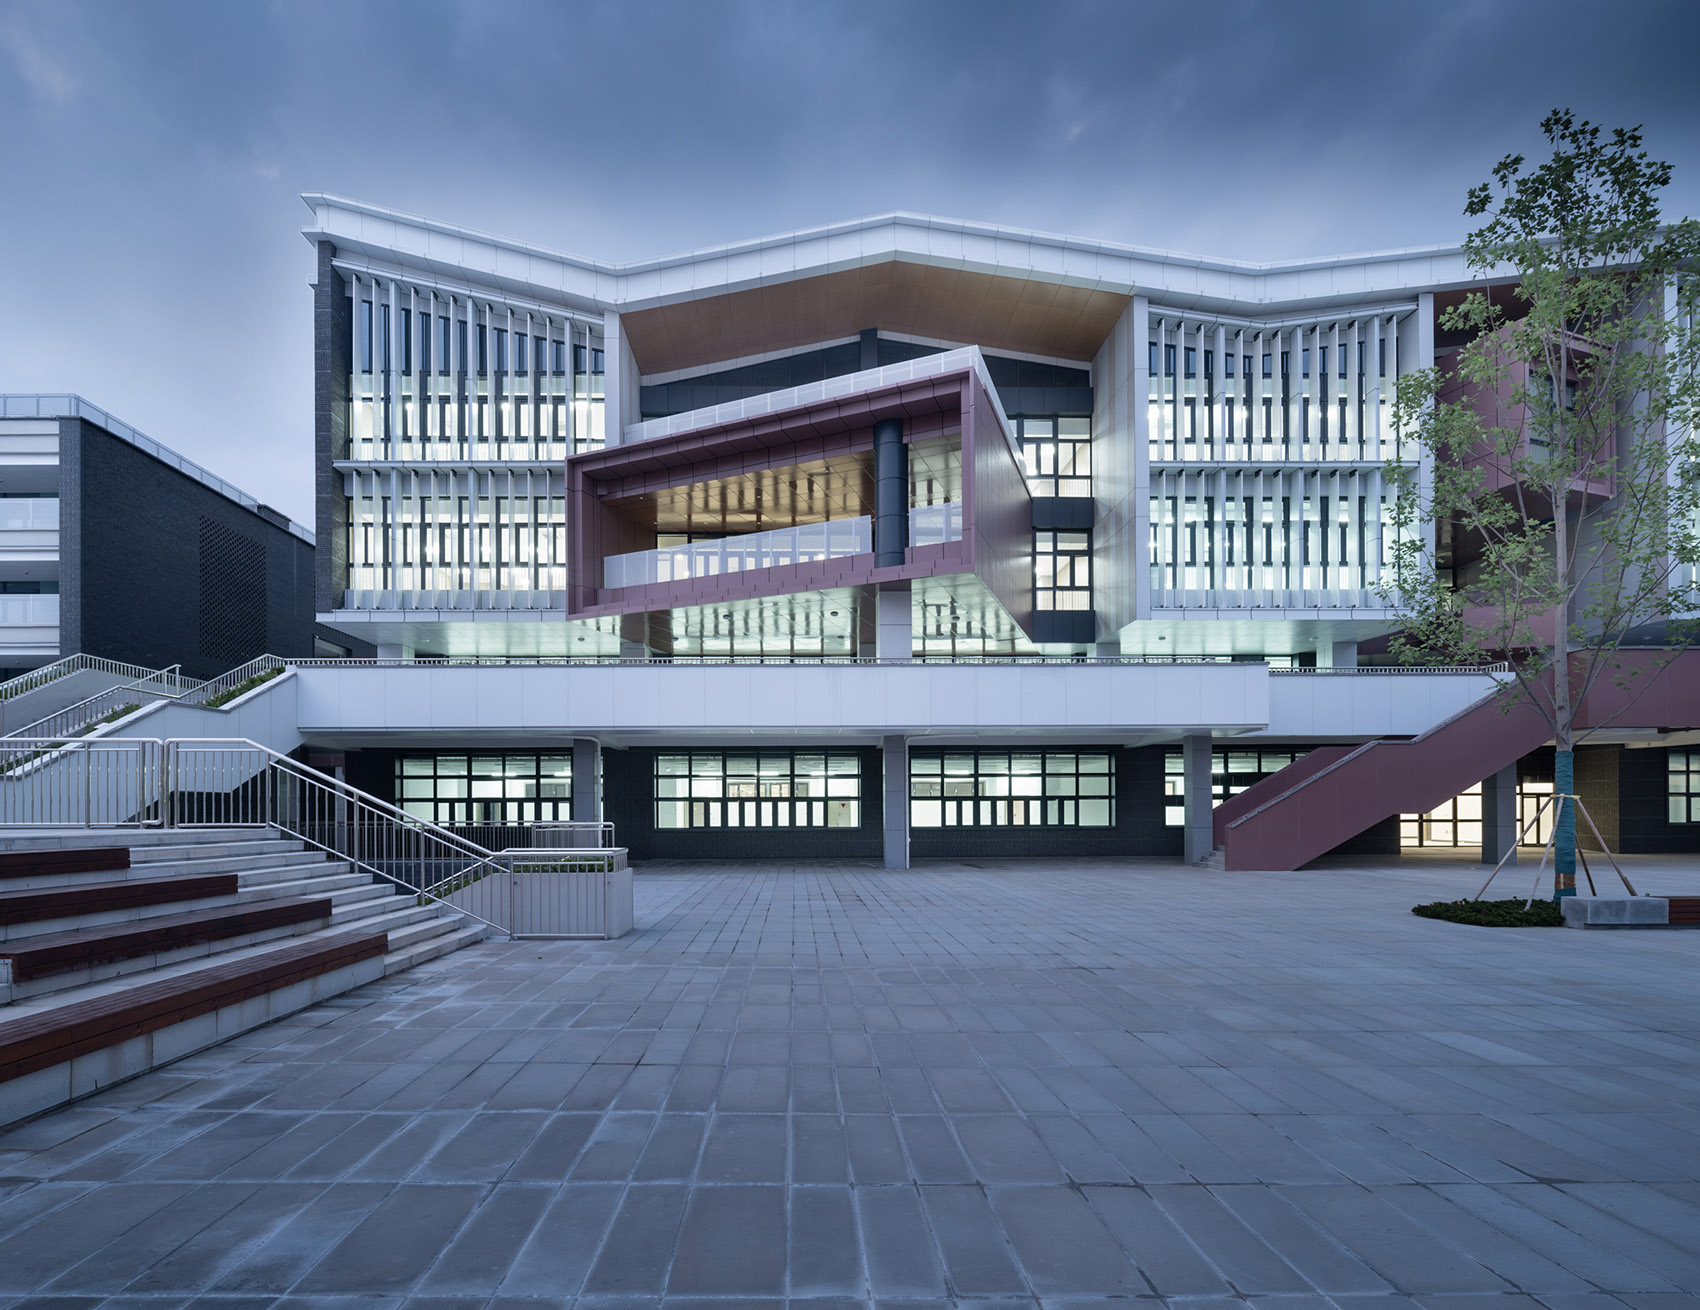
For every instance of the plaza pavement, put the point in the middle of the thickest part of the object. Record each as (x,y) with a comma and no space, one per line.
(989,1083)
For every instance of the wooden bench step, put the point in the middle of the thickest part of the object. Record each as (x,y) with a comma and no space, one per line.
(33,864)
(1685,909)
(42,1039)
(36,905)
(39,957)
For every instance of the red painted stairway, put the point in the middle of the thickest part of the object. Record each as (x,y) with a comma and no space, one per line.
(1336,792)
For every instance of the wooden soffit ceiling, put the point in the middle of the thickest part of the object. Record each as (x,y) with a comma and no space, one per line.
(997,313)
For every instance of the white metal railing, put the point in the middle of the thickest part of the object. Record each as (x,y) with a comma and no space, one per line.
(833,539)
(218,691)
(933,525)
(235,783)
(39,513)
(25,683)
(568,893)
(108,705)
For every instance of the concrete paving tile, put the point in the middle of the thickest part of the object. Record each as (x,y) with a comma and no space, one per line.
(276,1264)
(638,1250)
(1319,1259)
(1243,1259)
(818,1150)
(45,1249)
(978,1260)
(479,1257)
(744,1148)
(897,1248)
(824,1252)
(1063,1247)
(197,1263)
(733,1243)
(875,1154)
(1402,1252)
(1003,1149)
(394,1244)
(563,1245)
(484,1148)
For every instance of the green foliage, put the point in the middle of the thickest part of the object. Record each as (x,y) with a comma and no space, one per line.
(1494,914)
(242,688)
(1579,498)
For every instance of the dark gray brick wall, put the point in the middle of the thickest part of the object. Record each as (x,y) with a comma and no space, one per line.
(133,565)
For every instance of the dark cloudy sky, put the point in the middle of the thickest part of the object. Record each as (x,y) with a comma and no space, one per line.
(152,151)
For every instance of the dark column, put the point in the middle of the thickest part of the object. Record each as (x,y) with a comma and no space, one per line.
(332,345)
(891,512)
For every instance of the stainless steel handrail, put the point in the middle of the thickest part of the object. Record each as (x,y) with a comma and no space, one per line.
(25,683)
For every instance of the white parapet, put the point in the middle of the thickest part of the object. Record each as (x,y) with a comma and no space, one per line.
(1078,702)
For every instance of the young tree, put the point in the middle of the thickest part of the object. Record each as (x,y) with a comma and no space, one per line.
(1557,450)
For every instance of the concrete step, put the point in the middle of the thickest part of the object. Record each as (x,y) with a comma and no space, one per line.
(435,947)
(83,977)
(43,1089)
(35,839)
(227,863)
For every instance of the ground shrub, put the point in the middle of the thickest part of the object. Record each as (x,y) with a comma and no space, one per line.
(1494,914)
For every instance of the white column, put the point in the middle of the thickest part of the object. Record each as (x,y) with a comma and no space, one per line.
(1139,407)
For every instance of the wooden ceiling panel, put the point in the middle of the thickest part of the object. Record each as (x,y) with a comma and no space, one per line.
(998,313)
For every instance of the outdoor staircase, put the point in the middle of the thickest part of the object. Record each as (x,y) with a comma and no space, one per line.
(122,951)
(1336,792)
(80,695)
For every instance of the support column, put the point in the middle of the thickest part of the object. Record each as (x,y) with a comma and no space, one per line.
(895,762)
(390,651)
(891,496)
(1195,770)
(1337,655)
(894,624)
(587,780)
(1499,816)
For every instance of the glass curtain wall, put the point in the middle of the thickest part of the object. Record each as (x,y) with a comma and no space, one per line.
(440,377)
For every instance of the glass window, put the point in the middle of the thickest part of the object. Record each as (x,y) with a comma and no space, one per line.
(521,351)
(384,333)
(718,789)
(1151,366)
(444,325)
(997,789)
(1062,570)
(1227,366)
(486,789)
(540,354)
(1191,362)
(1231,772)
(407,341)
(1056,454)
(501,335)
(1683,786)
(560,356)
(365,336)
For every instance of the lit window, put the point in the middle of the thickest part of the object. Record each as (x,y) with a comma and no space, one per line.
(1231,772)
(1057,455)
(1683,786)
(997,789)
(1062,570)
(714,789)
(486,789)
